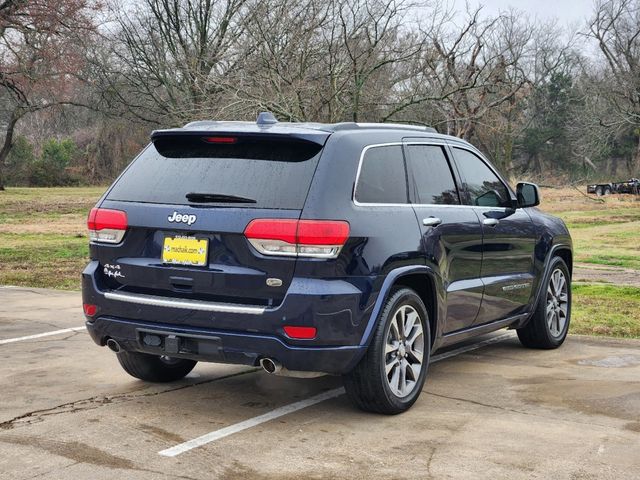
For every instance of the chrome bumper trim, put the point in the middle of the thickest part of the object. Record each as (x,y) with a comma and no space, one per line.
(186,304)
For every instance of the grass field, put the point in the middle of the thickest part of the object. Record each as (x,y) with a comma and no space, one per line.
(43,235)
(43,243)
(605,231)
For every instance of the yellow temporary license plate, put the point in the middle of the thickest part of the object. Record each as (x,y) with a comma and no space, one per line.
(185,251)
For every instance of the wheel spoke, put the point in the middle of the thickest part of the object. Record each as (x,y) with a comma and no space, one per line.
(394,330)
(417,332)
(389,365)
(393,381)
(415,371)
(550,293)
(402,378)
(563,310)
(402,321)
(390,347)
(549,308)
(561,283)
(412,317)
(416,355)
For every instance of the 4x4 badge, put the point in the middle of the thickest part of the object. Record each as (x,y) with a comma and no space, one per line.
(176,217)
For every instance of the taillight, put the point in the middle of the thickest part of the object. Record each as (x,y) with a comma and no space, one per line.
(107,226)
(298,238)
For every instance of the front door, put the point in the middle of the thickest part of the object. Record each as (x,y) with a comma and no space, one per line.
(451,233)
(509,238)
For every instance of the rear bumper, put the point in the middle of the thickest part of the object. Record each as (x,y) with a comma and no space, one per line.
(220,346)
(229,333)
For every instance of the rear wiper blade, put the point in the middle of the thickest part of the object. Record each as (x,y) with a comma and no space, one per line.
(217,198)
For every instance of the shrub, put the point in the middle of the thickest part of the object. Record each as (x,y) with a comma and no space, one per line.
(50,169)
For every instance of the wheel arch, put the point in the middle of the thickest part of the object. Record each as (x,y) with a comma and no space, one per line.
(566,254)
(419,278)
(563,251)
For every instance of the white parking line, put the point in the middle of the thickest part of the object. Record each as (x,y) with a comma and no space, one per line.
(293,407)
(40,335)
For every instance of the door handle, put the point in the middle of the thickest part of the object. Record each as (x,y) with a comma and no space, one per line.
(490,222)
(431,222)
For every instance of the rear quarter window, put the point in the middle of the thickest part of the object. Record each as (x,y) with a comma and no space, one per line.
(382,177)
(275,173)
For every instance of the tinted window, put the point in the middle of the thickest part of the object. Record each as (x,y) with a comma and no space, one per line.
(484,187)
(382,176)
(276,174)
(431,180)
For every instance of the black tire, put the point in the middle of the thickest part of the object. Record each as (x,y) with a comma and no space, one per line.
(607,191)
(152,368)
(538,333)
(599,191)
(368,385)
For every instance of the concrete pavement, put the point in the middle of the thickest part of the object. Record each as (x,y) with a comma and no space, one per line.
(67,410)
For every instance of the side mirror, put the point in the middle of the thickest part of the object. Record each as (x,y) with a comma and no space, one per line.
(528,195)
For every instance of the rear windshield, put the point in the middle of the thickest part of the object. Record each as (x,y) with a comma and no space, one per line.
(276,173)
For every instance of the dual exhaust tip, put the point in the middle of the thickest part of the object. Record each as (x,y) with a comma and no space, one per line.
(274,367)
(270,365)
(114,346)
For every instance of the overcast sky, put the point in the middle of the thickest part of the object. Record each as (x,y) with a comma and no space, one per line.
(566,11)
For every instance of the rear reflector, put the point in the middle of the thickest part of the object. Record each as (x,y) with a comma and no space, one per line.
(107,226)
(89,309)
(298,238)
(300,333)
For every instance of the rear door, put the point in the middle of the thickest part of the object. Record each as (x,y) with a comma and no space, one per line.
(509,238)
(451,233)
(188,199)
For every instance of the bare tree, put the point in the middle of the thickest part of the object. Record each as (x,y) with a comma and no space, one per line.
(168,56)
(616,28)
(39,58)
(329,61)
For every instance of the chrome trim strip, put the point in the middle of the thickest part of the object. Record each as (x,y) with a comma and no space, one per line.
(436,142)
(187,304)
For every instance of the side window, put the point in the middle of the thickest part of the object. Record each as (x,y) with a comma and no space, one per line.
(382,176)
(431,180)
(484,187)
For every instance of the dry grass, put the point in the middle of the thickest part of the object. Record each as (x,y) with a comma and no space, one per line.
(43,240)
(556,200)
(605,230)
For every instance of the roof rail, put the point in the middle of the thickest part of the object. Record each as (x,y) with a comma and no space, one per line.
(336,127)
(267,119)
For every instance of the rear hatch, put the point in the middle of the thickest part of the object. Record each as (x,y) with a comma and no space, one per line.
(188,198)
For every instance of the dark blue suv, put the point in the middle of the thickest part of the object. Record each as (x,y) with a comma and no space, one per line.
(348,249)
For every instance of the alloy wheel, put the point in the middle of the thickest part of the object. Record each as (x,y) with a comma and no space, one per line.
(404,351)
(557,303)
